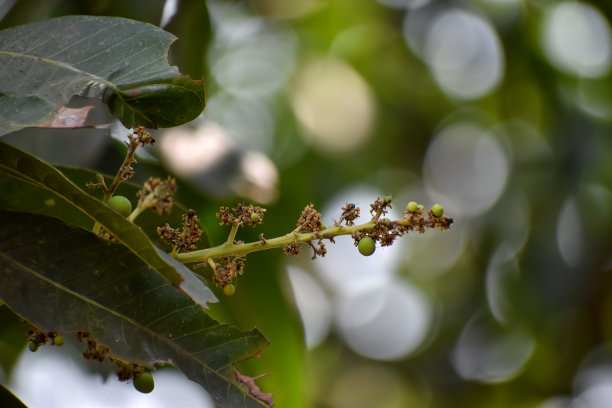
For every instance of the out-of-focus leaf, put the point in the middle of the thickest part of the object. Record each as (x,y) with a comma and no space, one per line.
(26,167)
(9,400)
(191,24)
(64,279)
(122,61)
(13,340)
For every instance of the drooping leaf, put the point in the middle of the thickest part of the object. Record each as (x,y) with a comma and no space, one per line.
(20,195)
(9,400)
(35,171)
(122,61)
(64,279)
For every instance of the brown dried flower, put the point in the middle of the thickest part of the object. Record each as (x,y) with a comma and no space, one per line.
(310,220)
(291,249)
(349,214)
(185,238)
(227,269)
(158,194)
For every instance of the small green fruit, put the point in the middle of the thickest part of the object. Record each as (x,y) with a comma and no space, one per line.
(412,206)
(33,347)
(144,382)
(58,340)
(437,210)
(229,289)
(120,204)
(255,217)
(366,246)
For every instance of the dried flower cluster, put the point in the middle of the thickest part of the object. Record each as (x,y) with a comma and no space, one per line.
(139,137)
(241,215)
(350,213)
(37,337)
(95,351)
(292,249)
(310,220)
(386,231)
(185,238)
(158,195)
(227,268)
(380,207)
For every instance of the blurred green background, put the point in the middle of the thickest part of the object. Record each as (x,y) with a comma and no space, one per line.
(500,110)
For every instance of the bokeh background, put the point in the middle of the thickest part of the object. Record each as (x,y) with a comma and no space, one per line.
(500,110)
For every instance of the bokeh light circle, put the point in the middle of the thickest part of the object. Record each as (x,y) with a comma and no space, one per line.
(385,323)
(313,304)
(465,168)
(570,239)
(489,353)
(464,54)
(576,39)
(334,105)
(404,4)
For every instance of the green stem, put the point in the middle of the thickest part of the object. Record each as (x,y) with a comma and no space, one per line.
(228,248)
(129,159)
(109,191)
(148,202)
(232,235)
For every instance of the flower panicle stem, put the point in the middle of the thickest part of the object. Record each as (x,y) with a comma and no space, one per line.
(229,249)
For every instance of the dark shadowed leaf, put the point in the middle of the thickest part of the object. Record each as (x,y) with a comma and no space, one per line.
(122,61)
(64,279)
(20,195)
(21,165)
(9,400)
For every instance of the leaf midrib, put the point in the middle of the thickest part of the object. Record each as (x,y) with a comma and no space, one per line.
(95,305)
(34,181)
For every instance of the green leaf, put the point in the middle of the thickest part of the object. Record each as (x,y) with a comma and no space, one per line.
(44,176)
(20,195)
(9,400)
(64,279)
(121,61)
(13,340)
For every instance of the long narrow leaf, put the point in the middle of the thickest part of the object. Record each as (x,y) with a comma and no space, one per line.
(64,279)
(29,168)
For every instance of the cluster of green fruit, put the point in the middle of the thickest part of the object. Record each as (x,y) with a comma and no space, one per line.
(367,245)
